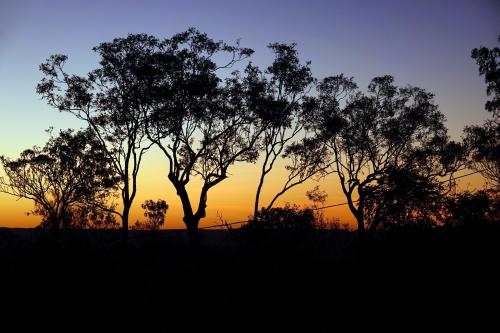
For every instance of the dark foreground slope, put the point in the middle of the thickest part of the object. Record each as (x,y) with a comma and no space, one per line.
(321,282)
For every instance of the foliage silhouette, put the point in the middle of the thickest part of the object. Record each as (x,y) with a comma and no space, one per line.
(276,95)
(155,212)
(284,227)
(70,180)
(489,66)
(93,217)
(483,143)
(200,122)
(374,136)
(318,198)
(403,197)
(388,146)
(472,209)
(289,217)
(111,99)
(484,140)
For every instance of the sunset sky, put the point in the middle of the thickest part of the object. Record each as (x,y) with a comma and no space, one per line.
(423,43)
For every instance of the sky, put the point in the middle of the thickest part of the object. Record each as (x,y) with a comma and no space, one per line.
(423,43)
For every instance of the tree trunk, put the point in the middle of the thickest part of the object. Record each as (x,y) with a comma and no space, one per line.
(361,225)
(54,228)
(125,216)
(190,220)
(358,214)
(193,231)
(374,225)
(257,198)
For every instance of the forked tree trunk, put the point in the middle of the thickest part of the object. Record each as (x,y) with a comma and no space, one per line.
(190,219)
(358,214)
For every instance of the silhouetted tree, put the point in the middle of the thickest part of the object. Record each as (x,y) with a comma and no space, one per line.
(71,172)
(306,159)
(318,198)
(484,140)
(200,122)
(154,211)
(488,61)
(404,197)
(112,100)
(275,96)
(374,135)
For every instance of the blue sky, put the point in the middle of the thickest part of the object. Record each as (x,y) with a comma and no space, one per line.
(425,43)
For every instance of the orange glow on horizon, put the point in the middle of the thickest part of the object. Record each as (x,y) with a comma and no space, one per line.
(233,198)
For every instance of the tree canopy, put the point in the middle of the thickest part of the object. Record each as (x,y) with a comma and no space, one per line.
(200,121)
(206,107)
(111,99)
(276,96)
(484,140)
(70,173)
(376,135)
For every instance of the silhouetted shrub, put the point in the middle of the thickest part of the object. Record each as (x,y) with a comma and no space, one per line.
(92,218)
(155,212)
(403,198)
(280,225)
(287,218)
(472,208)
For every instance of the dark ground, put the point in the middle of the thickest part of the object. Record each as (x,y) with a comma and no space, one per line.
(322,282)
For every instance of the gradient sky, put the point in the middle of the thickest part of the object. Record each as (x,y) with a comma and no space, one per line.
(423,43)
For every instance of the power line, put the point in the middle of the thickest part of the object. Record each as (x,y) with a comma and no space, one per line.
(334,205)
(462,176)
(443,181)
(330,206)
(223,225)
